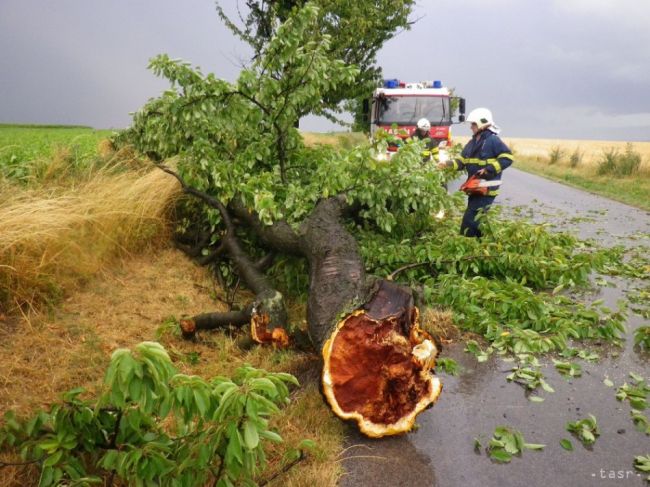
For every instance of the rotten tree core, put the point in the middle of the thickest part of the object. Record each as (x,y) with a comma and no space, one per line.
(378,365)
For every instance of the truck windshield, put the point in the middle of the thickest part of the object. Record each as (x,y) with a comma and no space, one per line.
(407,110)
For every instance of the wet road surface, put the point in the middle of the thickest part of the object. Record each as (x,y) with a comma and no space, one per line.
(441,452)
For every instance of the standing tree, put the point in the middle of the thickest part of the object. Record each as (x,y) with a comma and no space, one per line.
(357,31)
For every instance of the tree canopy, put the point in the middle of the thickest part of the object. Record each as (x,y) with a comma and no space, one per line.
(357,30)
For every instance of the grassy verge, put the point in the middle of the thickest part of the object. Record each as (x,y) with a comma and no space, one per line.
(141,299)
(85,268)
(632,190)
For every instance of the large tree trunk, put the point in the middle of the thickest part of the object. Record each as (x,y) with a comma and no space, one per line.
(377,362)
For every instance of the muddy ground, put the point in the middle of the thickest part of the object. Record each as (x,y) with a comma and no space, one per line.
(441,452)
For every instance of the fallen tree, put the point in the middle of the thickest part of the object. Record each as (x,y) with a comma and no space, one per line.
(324,225)
(262,193)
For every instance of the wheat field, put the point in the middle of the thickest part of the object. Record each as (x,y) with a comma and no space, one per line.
(591,151)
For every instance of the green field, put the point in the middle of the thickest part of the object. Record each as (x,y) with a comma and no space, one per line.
(22,144)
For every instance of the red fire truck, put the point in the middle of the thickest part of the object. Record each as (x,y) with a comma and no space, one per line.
(401,104)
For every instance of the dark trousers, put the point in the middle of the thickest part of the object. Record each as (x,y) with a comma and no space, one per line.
(475,205)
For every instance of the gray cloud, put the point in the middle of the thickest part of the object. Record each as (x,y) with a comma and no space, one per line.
(552,68)
(546,69)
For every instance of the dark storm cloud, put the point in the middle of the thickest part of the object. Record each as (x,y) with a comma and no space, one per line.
(570,69)
(547,68)
(76,61)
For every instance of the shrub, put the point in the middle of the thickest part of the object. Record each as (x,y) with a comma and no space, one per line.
(629,162)
(555,155)
(607,165)
(617,164)
(576,157)
(154,426)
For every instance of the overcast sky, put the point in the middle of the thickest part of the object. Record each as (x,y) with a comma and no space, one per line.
(546,68)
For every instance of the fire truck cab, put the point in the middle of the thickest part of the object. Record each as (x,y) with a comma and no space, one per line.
(400,104)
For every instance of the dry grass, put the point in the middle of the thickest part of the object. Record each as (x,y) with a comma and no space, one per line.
(75,237)
(138,300)
(440,325)
(54,237)
(591,150)
(346,140)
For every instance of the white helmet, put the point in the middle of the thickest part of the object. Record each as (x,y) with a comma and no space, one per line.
(482,117)
(423,124)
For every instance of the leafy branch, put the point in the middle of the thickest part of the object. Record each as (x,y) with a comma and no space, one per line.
(126,434)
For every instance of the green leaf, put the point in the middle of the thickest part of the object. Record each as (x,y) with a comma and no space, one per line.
(53,459)
(271,436)
(251,436)
(307,444)
(201,401)
(500,456)
(534,446)
(566,444)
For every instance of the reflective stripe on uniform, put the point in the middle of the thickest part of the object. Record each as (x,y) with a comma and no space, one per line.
(506,155)
(480,162)
(495,163)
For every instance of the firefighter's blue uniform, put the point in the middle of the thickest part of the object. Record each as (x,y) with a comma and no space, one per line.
(484,151)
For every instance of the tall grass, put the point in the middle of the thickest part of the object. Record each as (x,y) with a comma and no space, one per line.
(555,155)
(344,140)
(54,237)
(576,158)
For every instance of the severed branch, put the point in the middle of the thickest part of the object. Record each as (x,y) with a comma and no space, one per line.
(265,262)
(18,464)
(193,249)
(212,321)
(268,314)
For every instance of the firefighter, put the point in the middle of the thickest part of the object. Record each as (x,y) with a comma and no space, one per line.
(422,133)
(484,158)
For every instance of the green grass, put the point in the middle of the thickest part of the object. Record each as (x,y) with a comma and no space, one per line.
(22,144)
(632,190)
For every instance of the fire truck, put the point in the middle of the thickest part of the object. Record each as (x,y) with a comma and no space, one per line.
(397,106)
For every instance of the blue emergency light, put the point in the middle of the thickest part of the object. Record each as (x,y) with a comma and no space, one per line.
(437,84)
(391,83)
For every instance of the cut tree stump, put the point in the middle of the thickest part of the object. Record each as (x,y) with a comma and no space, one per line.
(378,364)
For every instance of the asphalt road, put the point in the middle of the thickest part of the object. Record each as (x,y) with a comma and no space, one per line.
(441,451)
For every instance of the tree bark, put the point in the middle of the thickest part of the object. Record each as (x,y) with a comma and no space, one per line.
(377,362)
